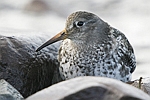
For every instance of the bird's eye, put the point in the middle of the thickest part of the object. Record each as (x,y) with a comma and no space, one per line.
(80,23)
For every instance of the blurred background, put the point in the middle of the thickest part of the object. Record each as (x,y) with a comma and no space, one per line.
(132,17)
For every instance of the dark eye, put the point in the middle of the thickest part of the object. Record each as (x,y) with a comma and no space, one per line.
(80,23)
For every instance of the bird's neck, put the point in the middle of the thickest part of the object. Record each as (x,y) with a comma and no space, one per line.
(82,46)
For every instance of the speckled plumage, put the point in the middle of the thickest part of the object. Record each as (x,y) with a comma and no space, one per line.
(93,48)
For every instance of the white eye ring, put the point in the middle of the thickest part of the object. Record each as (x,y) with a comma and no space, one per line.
(79,23)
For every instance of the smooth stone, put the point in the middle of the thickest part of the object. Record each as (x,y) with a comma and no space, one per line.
(90,88)
(8,92)
(26,70)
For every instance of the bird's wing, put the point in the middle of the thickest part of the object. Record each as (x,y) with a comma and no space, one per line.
(125,49)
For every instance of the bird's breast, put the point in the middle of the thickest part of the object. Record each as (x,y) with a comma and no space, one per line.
(76,60)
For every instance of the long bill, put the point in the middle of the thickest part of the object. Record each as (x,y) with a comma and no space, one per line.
(57,37)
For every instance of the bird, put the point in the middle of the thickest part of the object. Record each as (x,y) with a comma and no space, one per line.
(91,47)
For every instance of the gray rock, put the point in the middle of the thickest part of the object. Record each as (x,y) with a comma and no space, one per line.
(143,84)
(146,84)
(37,6)
(8,92)
(26,70)
(90,88)
(6,97)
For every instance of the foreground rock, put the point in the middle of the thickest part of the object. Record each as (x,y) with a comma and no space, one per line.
(90,88)
(7,92)
(25,69)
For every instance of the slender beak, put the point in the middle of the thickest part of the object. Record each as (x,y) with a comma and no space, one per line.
(57,37)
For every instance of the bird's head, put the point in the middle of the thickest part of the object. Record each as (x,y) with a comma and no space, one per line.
(81,26)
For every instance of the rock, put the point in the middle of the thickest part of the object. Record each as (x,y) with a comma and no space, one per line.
(143,84)
(8,92)
(90,88)
(7,97)
(37,6)
(26,70)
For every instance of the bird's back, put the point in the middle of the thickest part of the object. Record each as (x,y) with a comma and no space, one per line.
(125,50)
